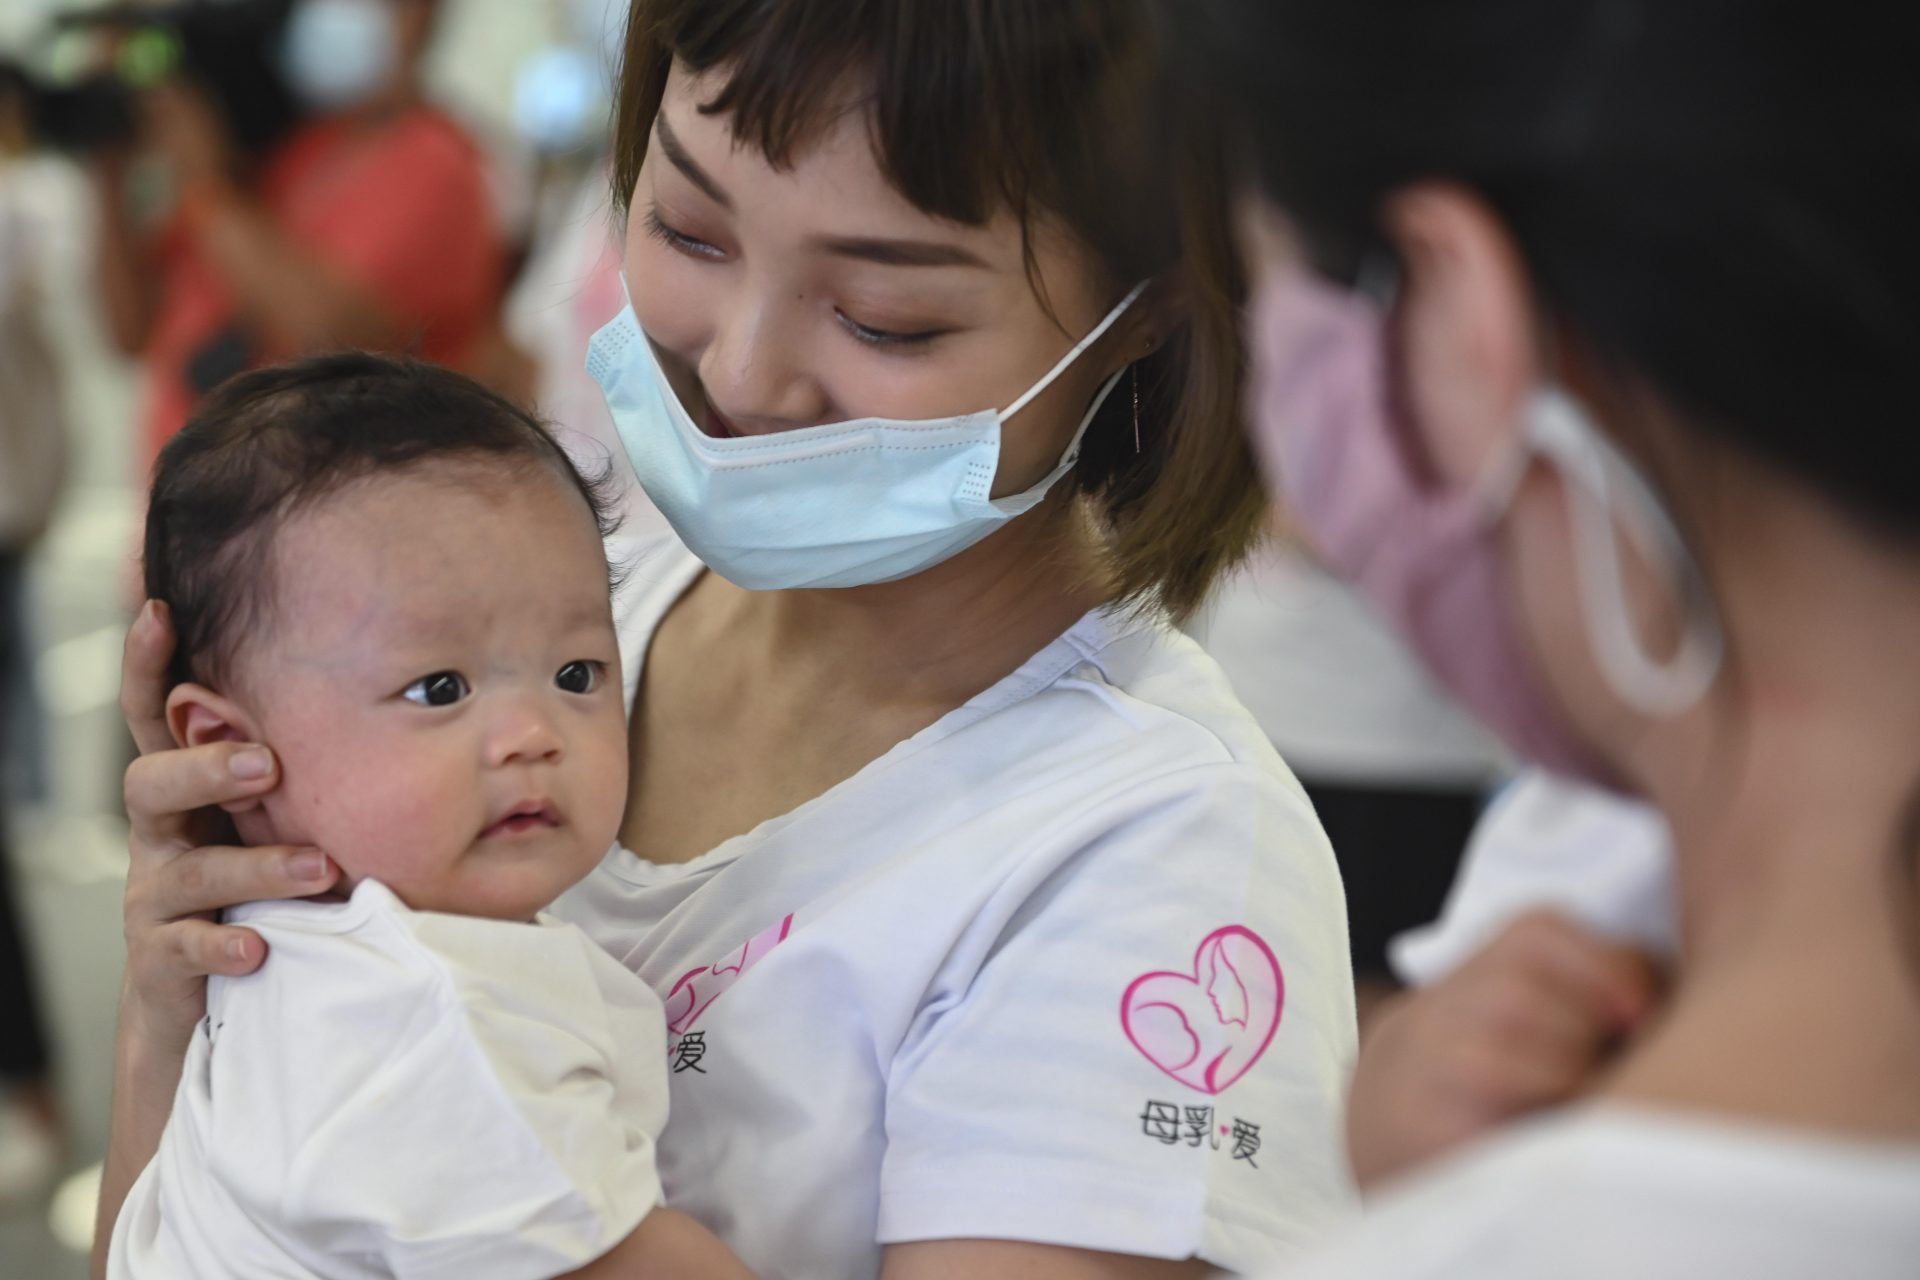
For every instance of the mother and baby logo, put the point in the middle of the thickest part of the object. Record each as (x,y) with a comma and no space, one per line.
(1207,1028)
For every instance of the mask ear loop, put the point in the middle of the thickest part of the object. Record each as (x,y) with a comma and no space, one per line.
(1079,349)
(1596,473)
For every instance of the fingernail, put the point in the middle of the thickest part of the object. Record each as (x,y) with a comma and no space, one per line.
(251,764)
(237,950)
(311,865)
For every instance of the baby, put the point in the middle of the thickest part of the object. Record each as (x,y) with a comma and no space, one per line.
(396,580)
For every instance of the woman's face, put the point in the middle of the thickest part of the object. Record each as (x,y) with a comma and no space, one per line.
(1469,357)
(784,298)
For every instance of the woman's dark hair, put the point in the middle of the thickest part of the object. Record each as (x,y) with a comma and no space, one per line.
(1039,107)
(1705,191)
(268,443)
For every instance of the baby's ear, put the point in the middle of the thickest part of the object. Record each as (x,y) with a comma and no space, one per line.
(197,715)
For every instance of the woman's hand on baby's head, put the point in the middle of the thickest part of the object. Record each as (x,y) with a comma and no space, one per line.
(1529,1022)
(183,866)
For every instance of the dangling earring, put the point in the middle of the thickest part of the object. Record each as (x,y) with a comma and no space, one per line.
(1133,375)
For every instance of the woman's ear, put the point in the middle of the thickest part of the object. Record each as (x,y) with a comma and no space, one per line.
(1465,329)
(1143,328)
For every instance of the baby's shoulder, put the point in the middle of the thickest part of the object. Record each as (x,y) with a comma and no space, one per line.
(373,958)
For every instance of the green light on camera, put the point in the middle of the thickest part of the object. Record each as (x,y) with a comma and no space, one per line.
(148,58)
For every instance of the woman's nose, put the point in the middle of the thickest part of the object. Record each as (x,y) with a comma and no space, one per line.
(755,371)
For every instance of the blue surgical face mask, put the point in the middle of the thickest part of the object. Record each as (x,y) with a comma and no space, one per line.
(339,53)
(839,505)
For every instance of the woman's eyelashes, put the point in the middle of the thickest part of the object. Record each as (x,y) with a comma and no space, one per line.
(441,689)
(887,338)
(700,250)
(679,241)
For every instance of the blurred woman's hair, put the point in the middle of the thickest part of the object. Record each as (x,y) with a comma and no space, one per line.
(1038,108)
(1706,192)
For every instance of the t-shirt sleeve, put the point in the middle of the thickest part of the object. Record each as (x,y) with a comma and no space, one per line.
(1148,1055)
(506,1141)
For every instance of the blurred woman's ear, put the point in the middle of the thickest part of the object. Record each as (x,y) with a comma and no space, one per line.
(1464,331)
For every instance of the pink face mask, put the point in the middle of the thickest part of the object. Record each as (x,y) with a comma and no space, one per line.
(1426,559)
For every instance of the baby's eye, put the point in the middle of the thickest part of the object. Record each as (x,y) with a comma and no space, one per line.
(581,676)
(441,689)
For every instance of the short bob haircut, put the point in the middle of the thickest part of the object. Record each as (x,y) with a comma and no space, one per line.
(1038,106)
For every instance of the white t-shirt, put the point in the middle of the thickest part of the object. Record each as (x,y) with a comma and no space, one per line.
(405,1094)
(1619,1193)
(1333,686)
(976,990)
(1605,860)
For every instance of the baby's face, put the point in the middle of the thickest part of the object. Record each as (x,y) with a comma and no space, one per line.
(441,682)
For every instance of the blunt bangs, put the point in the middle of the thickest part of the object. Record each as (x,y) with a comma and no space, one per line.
(973,105)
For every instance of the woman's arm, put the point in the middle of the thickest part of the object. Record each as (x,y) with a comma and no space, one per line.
(177,883)
(302,301)
(121,261)
(1017,1260)
(667,1245)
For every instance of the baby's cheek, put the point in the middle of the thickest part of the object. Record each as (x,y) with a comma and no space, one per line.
(609,781)
(377,813)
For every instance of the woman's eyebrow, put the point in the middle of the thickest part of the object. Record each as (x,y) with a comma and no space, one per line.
(677,153)
(883,250)
(902,253)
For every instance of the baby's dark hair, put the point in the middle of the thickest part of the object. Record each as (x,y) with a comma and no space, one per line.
(268,443)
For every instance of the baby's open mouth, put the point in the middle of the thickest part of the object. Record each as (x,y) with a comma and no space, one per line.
(535,815)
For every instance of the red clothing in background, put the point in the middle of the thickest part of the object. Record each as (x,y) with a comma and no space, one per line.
(404,211)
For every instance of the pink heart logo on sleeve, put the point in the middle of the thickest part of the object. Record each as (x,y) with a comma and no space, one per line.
(1207,1028)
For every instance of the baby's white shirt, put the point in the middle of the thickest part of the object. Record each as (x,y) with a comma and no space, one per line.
(1545,841)
(405,1094)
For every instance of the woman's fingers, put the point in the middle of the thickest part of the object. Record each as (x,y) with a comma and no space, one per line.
(143,677)
(1605,985)
(200,948)
(168,967)
(1526,1023)
(202,881)
(165,789)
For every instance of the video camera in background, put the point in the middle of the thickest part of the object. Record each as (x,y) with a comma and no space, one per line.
(229,49)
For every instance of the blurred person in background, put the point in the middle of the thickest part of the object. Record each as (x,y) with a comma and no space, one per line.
(32,432)
(570,284)
(1583,338)
(371,225)
(1397,772)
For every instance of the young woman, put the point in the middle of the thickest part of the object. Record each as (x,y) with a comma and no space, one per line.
(1584,338)
(994,937)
